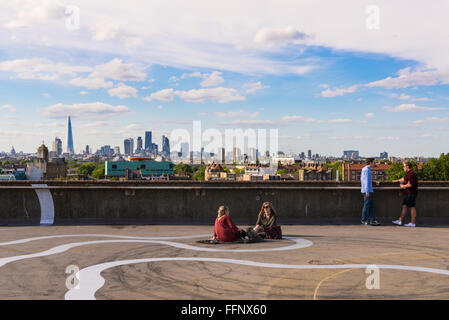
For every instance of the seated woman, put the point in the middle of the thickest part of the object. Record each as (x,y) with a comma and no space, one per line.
(225,230)
(266,222)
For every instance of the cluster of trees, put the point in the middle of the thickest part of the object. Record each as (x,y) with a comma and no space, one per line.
(14,161)
(197,172)
(93,169)
(336,165)
(436,169)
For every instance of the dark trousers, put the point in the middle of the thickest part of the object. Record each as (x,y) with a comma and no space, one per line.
(368,207)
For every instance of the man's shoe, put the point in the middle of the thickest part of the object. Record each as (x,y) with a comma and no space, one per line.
(374,223)
(364,222)
(399,223)
(410,225)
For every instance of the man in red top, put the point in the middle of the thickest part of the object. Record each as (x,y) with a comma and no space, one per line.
(410,184)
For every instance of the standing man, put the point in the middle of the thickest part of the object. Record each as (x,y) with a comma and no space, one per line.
(367,194)
(410,184)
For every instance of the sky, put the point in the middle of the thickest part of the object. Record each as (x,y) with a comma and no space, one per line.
(329,75)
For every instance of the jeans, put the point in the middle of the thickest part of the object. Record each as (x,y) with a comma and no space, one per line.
(368,207)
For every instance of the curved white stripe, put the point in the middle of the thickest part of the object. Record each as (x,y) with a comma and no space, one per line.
(299,243)
(99,235)
(91,280)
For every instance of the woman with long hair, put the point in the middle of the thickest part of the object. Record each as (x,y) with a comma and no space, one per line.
(266,222)
(225,230)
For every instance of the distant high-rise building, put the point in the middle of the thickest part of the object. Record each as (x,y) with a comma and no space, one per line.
(57,146)
(222,155)
(117,150)
(129,146)
(13,151)
(106,151)
(236,155)
(154,149)
(148,140)
(383,155)
(350,154)
(185,149)
(87,151)
(309,154)
(70,148)
(139,143)
(252,154)
(165,146)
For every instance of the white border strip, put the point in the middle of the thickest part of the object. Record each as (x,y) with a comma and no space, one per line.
(46,202)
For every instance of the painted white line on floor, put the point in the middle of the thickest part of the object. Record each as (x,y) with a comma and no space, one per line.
(99,235)
(91,280)
(298,244)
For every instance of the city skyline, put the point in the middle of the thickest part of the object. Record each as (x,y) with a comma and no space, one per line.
(370,79)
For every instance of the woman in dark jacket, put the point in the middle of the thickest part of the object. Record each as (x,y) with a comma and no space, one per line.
(266,222)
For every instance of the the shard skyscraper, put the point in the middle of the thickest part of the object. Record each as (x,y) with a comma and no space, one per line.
(70,148)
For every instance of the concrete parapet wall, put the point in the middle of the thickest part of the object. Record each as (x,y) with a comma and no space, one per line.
(186,202)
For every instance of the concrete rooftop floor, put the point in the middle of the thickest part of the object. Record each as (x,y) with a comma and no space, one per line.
(166,262)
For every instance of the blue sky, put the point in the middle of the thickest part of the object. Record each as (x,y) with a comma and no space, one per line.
(347,78)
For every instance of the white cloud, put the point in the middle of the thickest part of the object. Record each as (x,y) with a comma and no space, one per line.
(431,120)
(203,36)
(32,13)
(123,91)
(83,111)
(117,70)
(404,96)
(369,115)
(212,80)
(91,83)
(105,30)
(97,124)
(219,94)
(162,95)
(8,107)
(409,108)
(234,114)
(209,79)
(339,121)
(429,136)
(296,119)
(271,35)
(328,93)
(131,128)
(384,138)
(83,93)
(252,87)
(408,78)
(40,69)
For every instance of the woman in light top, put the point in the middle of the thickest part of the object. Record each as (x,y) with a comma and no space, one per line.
(266,222)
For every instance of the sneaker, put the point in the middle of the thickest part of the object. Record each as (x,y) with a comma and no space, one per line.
(374,223)
(364,222)
(410,225)
(399,223)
